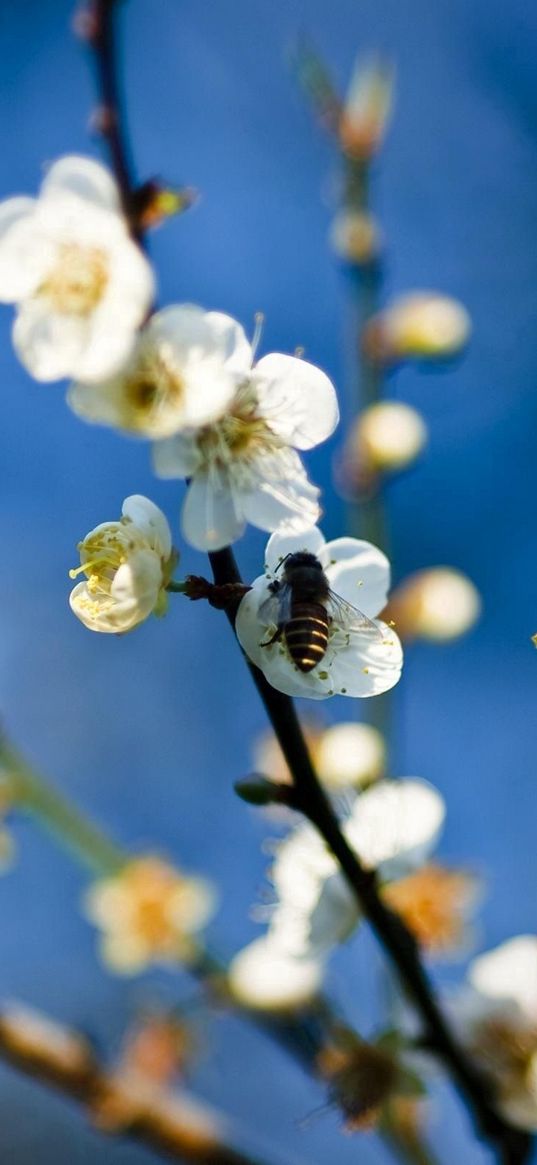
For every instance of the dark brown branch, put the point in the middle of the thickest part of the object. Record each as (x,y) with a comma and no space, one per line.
(111,118)
(168,1122)
(513,1146)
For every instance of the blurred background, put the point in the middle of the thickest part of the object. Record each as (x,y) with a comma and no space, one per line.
(148,732)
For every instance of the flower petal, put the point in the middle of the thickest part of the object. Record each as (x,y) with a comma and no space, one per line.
(176,456)
(195,334)
(359,573)
(509,973)
(281,544)
(361,665)
(49,345)
(261,977)
(394,825)
(134,594)
(150,521)
(209,519)
(297,399)
(280,496)
(24,252)
(83,177)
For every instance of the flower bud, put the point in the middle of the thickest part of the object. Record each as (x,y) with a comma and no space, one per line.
(418,326)
(388,437)
(355,237)
(437,604)
(366,112)
(350,755)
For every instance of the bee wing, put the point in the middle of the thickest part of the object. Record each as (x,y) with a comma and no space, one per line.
(349,618)
(277,607)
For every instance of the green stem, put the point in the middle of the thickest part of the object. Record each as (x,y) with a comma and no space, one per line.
(176,587)
(34,795)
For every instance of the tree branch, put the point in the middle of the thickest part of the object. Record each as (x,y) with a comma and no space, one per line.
(169,1122)
(513,1146)
(111,117)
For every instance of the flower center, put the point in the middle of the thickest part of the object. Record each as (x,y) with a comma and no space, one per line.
(507,1050)
(154,891)
(431,902)
(101,555)
(241,435)
(153,387)
(77,282)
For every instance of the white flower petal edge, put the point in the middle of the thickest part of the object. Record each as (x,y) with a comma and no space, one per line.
(127,566)
(183,373)
(246,461)
(297,398)
(82,285)
(495,1014)
(395,825)
(84,178)
(509,974)
(355,664)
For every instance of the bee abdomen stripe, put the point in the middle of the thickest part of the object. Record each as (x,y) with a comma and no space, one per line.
(303,630)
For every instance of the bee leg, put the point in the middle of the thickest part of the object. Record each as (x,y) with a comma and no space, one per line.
(277,635)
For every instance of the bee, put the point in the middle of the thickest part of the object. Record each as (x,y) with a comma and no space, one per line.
(303,607)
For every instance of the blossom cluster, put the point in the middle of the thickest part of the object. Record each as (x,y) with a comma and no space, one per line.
(188,381)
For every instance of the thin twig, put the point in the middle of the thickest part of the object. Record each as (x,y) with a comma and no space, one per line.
(168,1122)
(399,944)
(111,117)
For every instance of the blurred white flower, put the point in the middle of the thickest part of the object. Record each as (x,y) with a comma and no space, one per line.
(148,912)
(420,325)
(183,373)
(81,284)
(244,467)
(262,977)
(497,1016)
(388,436)
(350,755)
(437,604)
(347,756)
(356,663)
(128,565)
(393,827)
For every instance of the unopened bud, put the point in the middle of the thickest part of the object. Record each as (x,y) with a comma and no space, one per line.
(355,237)
(419,326)
(260,791)
(437,604)
(350,755)
(388,437)
(367,109)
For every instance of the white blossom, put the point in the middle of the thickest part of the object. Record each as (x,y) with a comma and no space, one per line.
(356,663)
(148,912)
(127,564)
(393,827)
(81,285)
(183,373)
(244,467)
(497,1018)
